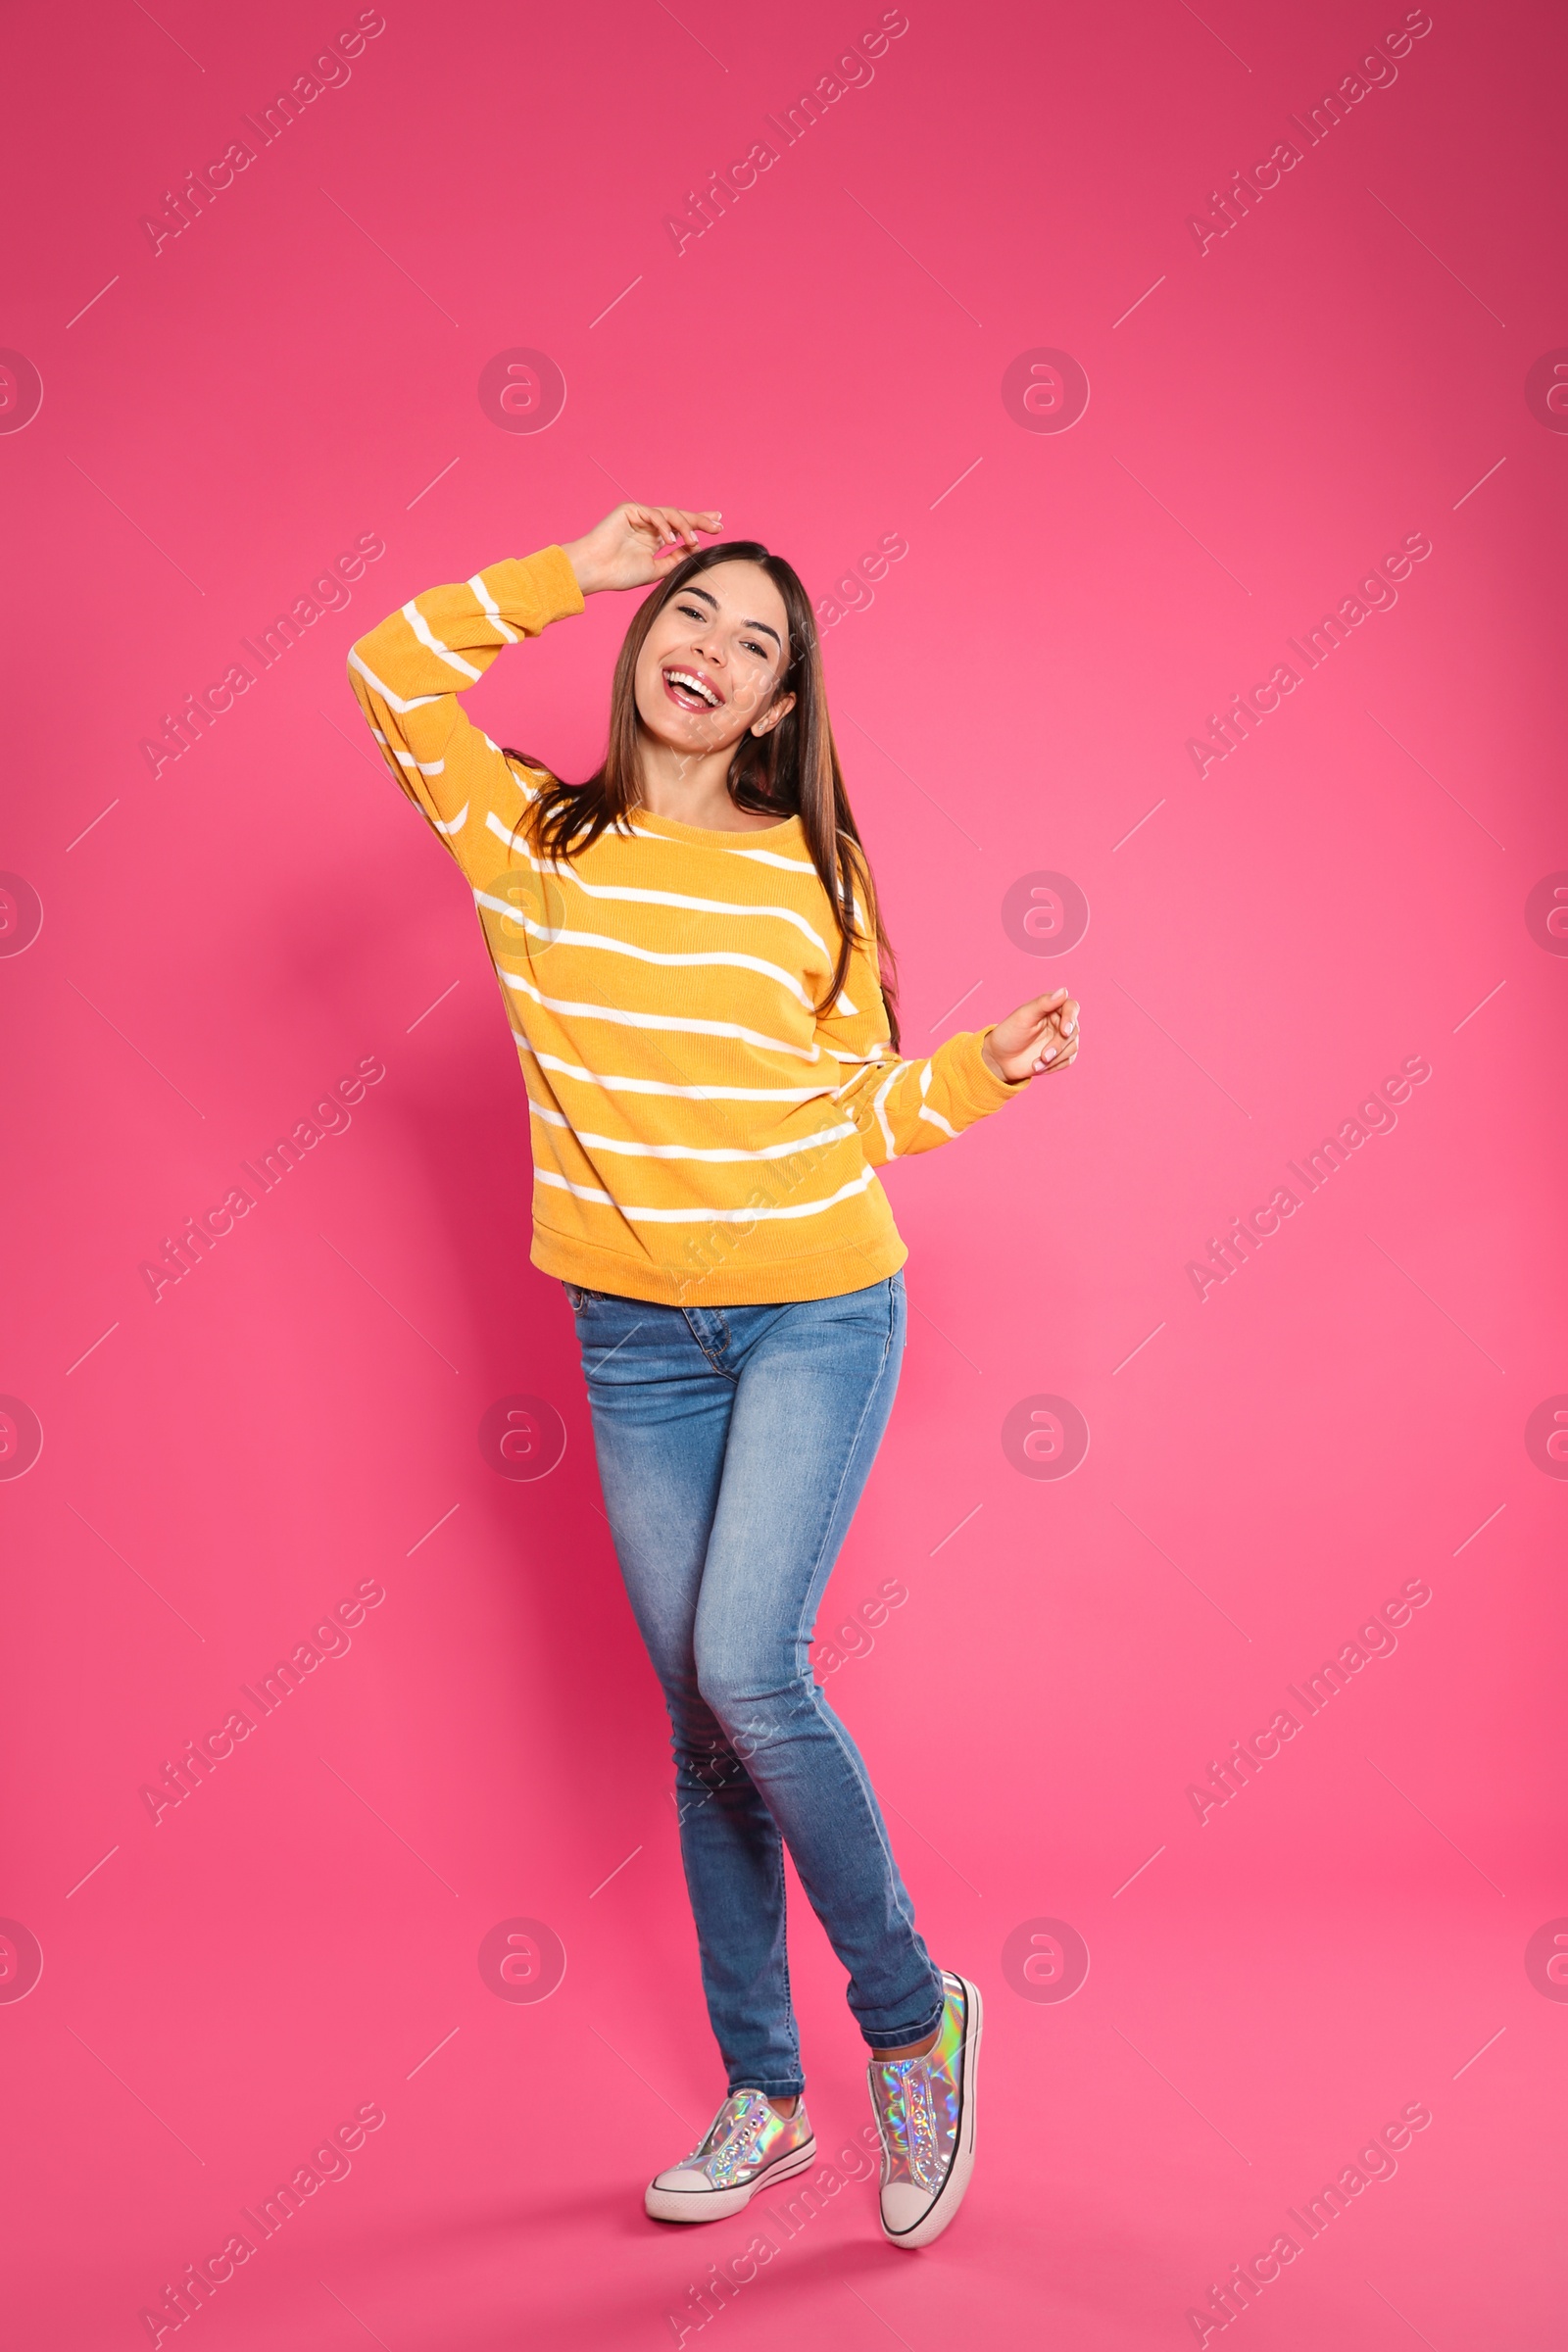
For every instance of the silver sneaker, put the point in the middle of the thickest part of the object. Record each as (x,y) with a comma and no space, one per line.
(924,2110)
(748,2147)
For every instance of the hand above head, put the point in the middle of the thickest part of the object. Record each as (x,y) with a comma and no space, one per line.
(636,545)
(1042,1036)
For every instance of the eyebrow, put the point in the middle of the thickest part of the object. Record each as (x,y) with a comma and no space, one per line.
(744,625)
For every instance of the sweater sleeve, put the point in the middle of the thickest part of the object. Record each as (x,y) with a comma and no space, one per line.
(902,1107)
(408,673)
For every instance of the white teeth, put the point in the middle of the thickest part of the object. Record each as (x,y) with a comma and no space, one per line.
(684,677)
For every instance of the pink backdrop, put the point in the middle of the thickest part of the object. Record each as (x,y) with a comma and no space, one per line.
(884,334)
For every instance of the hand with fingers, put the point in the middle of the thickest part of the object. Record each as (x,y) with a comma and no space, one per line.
(1041,1037)
(636,545)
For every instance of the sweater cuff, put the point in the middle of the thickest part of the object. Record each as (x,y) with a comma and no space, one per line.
(536,590)
(981,1092)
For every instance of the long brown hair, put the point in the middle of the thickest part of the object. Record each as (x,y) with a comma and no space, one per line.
(792,771)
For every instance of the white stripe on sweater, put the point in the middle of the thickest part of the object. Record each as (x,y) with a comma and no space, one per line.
(426,768)
(729,957)
(491,609)
(706,1216)
(653,898)
(926,1112)
(790,865)
(881,1115)
(715,1154)
(660,1020)
(432,643)
(393,701)
(614,1085)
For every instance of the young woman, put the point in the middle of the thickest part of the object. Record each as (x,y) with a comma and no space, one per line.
(693,961)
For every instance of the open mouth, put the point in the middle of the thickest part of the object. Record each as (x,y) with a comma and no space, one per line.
(689,692)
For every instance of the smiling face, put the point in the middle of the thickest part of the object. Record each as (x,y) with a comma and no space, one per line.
(711,661)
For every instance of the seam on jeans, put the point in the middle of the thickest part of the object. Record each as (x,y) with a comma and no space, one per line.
(797,2089)
(825,1714)
(783,1913)
(706,1352)
(838,1492)
(861,1780)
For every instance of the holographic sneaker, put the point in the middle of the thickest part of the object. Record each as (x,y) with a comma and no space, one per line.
(749,2147)
(924,2110)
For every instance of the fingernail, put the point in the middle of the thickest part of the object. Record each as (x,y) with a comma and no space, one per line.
(1049,1053)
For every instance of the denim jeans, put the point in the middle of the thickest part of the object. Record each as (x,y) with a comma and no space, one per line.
(733,1444)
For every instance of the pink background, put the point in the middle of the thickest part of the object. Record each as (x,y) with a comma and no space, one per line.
(1267,419)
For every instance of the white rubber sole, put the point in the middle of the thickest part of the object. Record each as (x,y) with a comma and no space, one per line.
(718,2204)
(950,2196)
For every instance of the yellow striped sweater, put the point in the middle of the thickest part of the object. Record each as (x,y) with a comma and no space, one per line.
(700,1136)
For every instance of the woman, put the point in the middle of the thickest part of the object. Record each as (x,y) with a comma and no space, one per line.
(693,961)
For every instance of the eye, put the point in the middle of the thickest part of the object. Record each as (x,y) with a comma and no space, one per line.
(692,611)
(750,646)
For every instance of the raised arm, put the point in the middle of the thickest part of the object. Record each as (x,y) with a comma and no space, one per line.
(408,672)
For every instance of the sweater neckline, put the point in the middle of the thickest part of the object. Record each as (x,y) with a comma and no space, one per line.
(789,830)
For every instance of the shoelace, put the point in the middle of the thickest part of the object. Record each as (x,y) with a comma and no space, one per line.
(926,2152)
(918,2130)
(739,2143)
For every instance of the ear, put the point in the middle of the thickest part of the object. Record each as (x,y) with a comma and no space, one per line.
(774,712)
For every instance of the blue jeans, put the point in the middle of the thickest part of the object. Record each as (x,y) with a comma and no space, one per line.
(733,1444)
